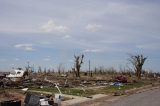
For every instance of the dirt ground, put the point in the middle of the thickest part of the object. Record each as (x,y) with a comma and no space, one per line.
(6,95)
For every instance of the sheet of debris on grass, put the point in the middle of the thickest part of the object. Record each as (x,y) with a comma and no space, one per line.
(16,97)
(85,86)
(9,97)
(6,95)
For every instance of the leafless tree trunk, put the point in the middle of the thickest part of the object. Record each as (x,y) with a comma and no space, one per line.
(39,69)
(137,61)
(77,64)
(60,68)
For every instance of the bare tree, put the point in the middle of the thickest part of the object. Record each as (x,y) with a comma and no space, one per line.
(60,68)
(29,69)
(137,61)
(45,70)
(77,64)
(48,71)
(39,69)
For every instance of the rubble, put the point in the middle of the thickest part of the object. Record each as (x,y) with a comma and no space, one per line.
(18,73)
(37,100)
(11,103)
(116,83)
(3,74)
(121,79)
(43,82)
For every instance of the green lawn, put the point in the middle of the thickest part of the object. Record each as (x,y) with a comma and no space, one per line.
(69,91)
(88,92)
(78,91)
(114,88)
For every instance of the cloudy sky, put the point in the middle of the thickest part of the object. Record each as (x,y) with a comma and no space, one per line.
(49,32)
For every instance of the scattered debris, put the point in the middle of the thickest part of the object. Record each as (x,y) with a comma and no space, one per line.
(101,83)
(116,94)
(35,81)
(37,100)
(116,83)
(18,73)
(121,79)
(4,74)
(24,89)
(85,82)
(89,96)
(64,75)
(11,103)
(1,84)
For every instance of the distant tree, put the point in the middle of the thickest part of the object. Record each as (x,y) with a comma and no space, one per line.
(138,62)
(101,70)
(52,70)
(48,71)
(26,73)
(77,65)
(45,70)
(95,70)
(29,69)
(60,68)
(91,74)
(39,69)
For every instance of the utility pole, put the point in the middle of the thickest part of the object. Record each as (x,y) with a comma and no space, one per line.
(28,67)
(90,72)
(89,65)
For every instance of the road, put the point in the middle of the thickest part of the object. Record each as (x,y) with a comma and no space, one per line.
(147,98)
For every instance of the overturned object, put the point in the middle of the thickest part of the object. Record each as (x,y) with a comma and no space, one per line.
(35,100)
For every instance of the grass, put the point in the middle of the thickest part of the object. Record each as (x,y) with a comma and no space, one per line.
(113,88)
(69,91)
(88,92)
(78,91)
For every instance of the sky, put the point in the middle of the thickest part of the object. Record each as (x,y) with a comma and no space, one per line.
(47,33)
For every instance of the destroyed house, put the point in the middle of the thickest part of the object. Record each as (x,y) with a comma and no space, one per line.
(18,73)
(4,74)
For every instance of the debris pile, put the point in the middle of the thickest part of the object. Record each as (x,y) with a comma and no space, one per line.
(121,79)
(37,100)
(10,99)
(11,103)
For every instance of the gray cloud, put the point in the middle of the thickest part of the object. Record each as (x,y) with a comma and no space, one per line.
(26,47)
(76,25)
(51,26)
